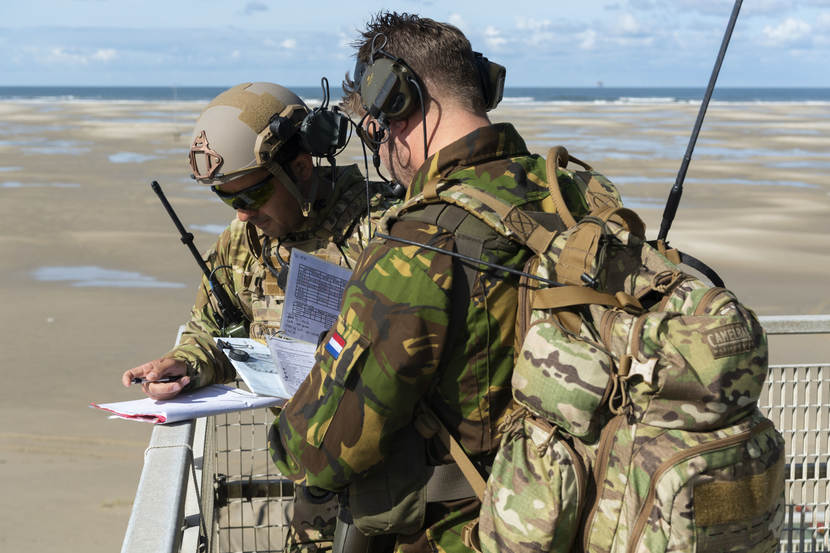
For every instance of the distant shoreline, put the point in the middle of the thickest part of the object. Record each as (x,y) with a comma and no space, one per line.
(512,95)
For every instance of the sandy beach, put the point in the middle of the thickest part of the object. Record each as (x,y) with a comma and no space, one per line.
(95,280)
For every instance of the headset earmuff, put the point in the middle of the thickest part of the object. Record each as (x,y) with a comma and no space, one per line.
(491,78)
(324,131)
(388,88)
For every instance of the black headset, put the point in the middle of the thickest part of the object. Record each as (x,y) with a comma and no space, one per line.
(323,131)
(390,89)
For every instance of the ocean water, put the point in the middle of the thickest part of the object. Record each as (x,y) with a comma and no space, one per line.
(793,123)
(514,95)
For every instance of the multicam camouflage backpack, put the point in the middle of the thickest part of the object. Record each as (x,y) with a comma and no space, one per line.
(636,426)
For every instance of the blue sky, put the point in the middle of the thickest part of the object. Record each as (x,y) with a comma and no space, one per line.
(542,42)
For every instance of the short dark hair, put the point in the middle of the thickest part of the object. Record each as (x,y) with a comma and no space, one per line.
(439,53)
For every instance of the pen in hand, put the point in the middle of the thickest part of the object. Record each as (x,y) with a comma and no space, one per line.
(141,380)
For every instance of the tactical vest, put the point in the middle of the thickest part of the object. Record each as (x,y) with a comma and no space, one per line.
(259,284)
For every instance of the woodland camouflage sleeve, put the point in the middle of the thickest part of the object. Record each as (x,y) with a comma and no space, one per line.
(373,367)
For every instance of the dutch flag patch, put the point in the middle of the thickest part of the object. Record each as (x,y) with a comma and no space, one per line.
(335,345)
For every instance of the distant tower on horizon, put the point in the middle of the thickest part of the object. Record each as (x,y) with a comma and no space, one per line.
(599,84)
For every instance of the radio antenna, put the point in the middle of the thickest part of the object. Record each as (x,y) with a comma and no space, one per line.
(677,190)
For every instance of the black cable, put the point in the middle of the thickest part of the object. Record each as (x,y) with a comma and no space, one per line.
(348,138)
(324,82)
(469,259)
(342,253)
(366,177)
(210,278)
(423,114)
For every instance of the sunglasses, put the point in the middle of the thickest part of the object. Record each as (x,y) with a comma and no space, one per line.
(250,198)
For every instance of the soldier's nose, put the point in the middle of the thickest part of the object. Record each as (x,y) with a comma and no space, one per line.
(245,215)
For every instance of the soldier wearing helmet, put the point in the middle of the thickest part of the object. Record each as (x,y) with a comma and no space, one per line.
(248,145)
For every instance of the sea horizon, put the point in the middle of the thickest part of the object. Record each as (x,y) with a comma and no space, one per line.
(512,95)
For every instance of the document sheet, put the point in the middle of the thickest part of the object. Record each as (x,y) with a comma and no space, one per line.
(312,296)
(275,370)
(211,400)
(293,359)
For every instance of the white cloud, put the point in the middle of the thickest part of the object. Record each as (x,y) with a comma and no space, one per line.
(529,24)
(588,39)
(493,38)
(105,54)
(457,20)
(767,7)
(628,24)
(345,50)
(289,43)
(344,40)
(789,31)
(62,55)
(59,55)
(534,31)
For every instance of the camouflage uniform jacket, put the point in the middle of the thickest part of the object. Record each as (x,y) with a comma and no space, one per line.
(252,286)
(405,341)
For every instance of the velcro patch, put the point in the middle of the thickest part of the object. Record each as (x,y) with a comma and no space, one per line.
(520,223)
(731,339)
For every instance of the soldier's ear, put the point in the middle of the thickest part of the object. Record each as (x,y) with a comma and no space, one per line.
(302,167)
(399,126)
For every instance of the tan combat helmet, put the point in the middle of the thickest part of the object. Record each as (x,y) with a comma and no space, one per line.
(242,130)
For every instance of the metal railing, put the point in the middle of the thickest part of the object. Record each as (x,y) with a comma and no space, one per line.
(209,485)
(797,399)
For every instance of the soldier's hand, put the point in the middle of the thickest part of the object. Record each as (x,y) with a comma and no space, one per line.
(154,370)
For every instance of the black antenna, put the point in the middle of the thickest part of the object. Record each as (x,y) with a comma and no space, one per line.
(677,189)
(232,316)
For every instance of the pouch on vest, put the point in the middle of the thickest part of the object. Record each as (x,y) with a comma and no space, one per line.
(697,365)
(391,498)
(535,493)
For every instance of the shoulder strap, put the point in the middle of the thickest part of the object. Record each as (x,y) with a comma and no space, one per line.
(428,425)
(596,195)
(558,157)
(506,219)
(470,232)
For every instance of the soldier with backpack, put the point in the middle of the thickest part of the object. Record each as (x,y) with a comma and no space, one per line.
(420,330)
(512,325)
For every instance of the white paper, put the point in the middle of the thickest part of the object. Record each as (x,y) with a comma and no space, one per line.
(293,358)
(259,371)
(211,400)
(312,296)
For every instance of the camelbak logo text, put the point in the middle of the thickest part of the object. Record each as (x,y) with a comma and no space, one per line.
(728,340)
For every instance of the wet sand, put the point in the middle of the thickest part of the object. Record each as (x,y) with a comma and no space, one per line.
(95,279)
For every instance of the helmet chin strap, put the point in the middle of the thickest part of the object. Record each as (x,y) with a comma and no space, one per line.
(304,202)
